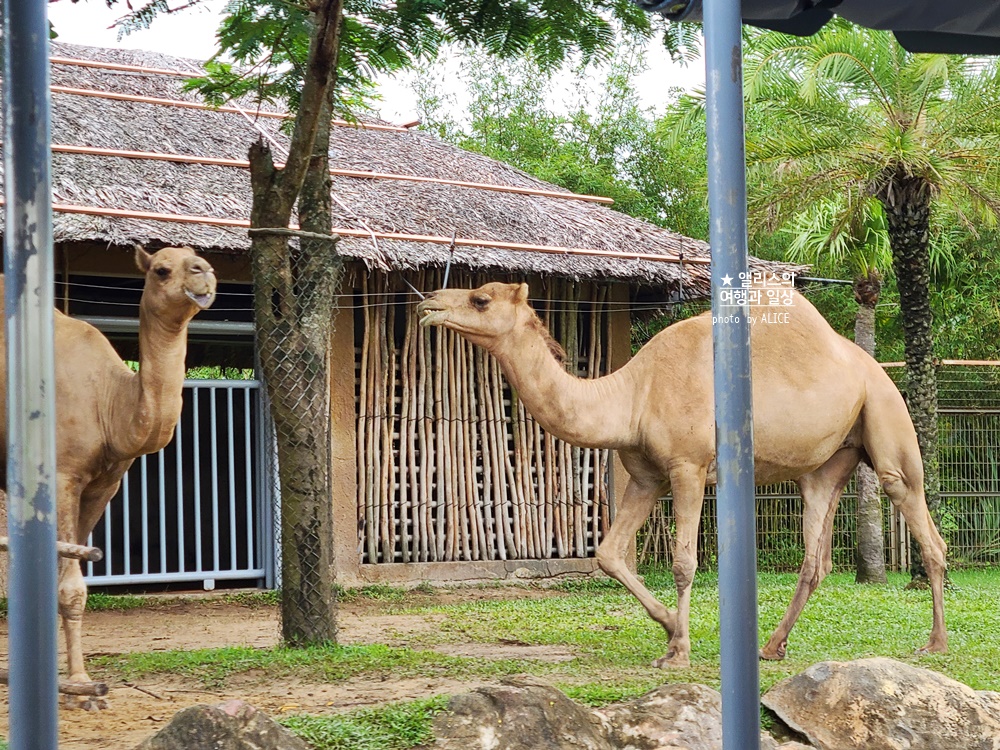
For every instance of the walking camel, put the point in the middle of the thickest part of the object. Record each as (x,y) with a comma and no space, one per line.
(107,415)
(821,406)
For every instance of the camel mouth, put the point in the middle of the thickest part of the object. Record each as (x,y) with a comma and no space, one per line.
(203,301)
(431,313)
(433,318)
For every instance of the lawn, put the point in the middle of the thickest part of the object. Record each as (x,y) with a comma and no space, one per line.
(610,640)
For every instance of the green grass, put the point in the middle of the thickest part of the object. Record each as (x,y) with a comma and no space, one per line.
(396,726)
(842,621)
(213,667)
(254,599)
(614,641)
(97,602)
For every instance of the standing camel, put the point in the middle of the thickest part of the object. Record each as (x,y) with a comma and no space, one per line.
(821,406)
(107,415)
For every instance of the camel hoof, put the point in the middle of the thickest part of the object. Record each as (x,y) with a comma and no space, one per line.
(933,648)
(776,654)
(673,660)
(85,703)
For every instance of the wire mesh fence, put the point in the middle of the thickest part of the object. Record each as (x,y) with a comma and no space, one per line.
(969,453)
(293,306)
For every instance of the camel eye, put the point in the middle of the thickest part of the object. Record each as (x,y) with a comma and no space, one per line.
(163,272)
(480,302)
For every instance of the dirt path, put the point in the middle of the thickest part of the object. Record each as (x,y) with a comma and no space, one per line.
(139,709)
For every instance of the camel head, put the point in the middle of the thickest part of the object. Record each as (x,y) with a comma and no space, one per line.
(178,283)
(485,315)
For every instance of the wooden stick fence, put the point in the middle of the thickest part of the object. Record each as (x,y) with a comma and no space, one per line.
(451,467)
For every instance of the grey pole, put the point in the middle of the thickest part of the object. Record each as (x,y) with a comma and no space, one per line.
(733,393)
(29,304)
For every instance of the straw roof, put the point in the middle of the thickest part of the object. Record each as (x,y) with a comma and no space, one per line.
(221,193)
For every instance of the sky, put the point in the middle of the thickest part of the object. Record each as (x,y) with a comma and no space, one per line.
(191,33)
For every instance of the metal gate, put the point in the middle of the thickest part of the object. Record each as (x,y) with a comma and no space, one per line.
(200,509)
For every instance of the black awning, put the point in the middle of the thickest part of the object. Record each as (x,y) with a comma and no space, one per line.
(945,26)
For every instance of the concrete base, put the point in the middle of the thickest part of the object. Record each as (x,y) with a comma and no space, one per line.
(511,571)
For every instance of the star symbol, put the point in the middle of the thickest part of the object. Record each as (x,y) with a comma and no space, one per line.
(727,280)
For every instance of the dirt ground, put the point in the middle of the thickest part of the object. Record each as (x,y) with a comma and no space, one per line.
(136,710)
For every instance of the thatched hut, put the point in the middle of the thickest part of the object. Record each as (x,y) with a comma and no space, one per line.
(439,473)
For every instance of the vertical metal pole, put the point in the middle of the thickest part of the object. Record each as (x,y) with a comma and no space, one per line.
(247,464)
(29,303)
(196,434)
(179,458)
(162,468)
(231,455)
(214,422)
(144,512)
(733,392)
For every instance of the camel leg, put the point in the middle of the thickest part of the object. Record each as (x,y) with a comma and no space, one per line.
(909,498)
(821,491)
(687,485)
(633,510)
(72,587)
(72,602)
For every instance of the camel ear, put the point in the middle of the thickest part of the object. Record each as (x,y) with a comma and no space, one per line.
(143,260)
(521,294)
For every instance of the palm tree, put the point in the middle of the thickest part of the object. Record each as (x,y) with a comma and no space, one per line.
(862,246)
(847,116)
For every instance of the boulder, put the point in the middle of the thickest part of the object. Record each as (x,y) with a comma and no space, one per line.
(674,715)
(882,704)
(524,713)
(234,725)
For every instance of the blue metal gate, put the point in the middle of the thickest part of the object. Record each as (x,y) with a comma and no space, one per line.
(200,509)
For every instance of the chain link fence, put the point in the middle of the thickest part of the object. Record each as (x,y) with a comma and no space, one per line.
(294,303)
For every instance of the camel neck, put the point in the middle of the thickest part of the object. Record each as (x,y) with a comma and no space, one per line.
(157,393)
(590,413)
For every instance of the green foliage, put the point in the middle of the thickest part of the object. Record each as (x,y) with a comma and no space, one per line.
(220,373)
(829,119)
(601,143)
(837,116)
(263,44)
(395,726)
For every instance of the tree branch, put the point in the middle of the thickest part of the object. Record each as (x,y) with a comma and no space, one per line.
(324,47)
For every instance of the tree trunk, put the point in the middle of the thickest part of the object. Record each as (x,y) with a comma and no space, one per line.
(871,545)
(293,303)
(906,199)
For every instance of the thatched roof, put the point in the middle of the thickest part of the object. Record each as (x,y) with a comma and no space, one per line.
(363,204)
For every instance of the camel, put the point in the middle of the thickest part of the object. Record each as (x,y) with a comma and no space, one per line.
(107,415)
(821,406)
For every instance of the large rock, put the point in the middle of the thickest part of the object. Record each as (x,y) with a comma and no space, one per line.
(231,726)
(521,714)
(678,715)
(526,714)
(882,704)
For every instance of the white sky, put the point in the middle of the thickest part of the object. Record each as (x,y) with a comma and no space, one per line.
(191,33)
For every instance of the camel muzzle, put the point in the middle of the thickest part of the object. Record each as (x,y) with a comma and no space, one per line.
(203,301)
(431,312)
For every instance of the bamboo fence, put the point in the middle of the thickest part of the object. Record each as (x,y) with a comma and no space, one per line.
(451,467)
